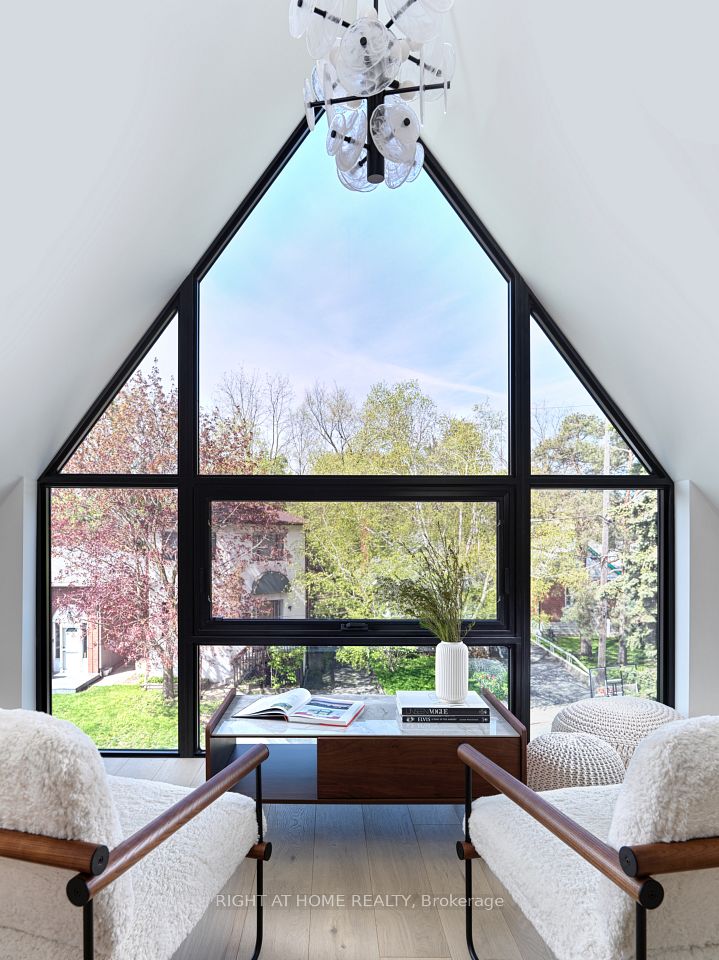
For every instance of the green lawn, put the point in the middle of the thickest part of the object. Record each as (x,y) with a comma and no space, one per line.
(121,716)
(417,673)
(640,657)
(645,661)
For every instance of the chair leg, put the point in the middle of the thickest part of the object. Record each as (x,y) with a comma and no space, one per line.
(469,931)
(258,911)
(640,949)
(88,936)
(259,886)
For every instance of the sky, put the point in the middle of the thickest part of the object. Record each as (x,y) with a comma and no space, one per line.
(554,385)
(321,284)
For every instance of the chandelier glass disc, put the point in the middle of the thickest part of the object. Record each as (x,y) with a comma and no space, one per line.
(322,31)
(395,131)
(354,141)
(356,178)
(336,134)
(300,16)
(369,58)
(420,23)
(309,109)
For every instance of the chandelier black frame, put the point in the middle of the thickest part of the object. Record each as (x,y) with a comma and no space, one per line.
(373,159)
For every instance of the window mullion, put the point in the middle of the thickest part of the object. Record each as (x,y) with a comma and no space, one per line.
(520,467)
(187,470)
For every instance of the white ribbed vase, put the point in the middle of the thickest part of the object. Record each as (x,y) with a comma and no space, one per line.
(451,671)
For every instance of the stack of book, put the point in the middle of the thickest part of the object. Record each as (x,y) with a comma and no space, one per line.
(423,706)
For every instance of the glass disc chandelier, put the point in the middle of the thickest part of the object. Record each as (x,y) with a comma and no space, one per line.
(366,74)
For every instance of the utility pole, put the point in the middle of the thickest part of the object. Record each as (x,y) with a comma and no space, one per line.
(604,557)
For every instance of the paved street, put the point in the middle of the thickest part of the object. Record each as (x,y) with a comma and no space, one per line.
(552,685)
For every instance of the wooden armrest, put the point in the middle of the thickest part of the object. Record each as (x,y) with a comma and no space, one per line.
(212,723)
(515,723)
(645,890)
(83,888)
(90,858)
(676,857)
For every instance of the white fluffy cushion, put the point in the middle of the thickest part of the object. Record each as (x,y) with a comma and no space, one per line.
(669,793)
(175,883)
(555,888)
(52,782)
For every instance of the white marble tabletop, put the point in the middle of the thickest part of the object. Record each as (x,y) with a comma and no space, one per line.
(378,719)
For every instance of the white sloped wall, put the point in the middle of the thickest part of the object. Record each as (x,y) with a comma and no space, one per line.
(697,595)
(17,597)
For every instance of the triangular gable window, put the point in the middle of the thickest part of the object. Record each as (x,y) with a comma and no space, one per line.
(571,434)
(137,433)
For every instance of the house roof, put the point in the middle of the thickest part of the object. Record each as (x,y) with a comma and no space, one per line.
(289,518)
(585,138)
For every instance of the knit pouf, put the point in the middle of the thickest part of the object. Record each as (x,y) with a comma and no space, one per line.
(557,760)
(622,722)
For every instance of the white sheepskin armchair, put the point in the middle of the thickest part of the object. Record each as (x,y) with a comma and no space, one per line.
(53,784)
(670,793)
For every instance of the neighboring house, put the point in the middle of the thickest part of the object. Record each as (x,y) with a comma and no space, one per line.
(80,650)
(553,605)
(278,582)
(272,560)
(282,584)
(77,653)
(593,563)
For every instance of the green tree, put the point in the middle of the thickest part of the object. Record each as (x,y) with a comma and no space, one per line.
(563,524)
(351,546)
(397,429)
(285,665)
(584,611)
(575,444)
(633,594)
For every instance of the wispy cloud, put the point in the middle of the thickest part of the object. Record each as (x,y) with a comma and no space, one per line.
(322,284)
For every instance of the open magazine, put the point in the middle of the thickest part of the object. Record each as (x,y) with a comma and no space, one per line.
(300,706)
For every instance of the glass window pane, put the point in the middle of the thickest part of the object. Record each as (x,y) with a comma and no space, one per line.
(570,433)
(594,597)
(346,670)
(344,560)
(113,633)
(339,337)
(137,433)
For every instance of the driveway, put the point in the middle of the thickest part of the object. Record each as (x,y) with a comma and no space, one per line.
(552,685)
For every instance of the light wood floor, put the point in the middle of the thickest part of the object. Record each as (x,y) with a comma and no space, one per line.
(353,850)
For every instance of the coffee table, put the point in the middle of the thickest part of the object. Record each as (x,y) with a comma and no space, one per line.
(377,759)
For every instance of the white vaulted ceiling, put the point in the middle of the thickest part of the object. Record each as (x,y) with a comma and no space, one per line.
(585,136)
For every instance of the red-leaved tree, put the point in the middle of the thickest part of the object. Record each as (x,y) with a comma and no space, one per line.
(115,549)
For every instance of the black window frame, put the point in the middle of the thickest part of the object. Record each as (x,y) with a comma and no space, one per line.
(326,632)
(512,490)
